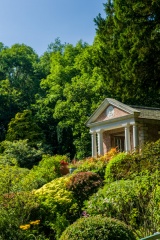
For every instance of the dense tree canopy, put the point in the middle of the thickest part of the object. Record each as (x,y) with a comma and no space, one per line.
(18,65)
(131,38)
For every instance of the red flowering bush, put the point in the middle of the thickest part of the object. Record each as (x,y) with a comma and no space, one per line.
(83,185)
(64,167)
(63,163)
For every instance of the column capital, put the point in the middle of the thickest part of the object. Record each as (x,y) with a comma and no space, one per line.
(100,131)
(126,125)
(135,124)
(92,132)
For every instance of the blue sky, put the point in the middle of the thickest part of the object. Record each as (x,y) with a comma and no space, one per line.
(37,23)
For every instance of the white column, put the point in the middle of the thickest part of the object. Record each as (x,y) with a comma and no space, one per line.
(135,136)
(94,144)
(127,138)
(100,142)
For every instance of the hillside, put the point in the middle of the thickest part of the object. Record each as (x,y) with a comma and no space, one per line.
(42,202)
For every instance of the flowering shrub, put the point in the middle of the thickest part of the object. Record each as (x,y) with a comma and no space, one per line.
(97,228)
(97,165)
(31,231)
(83,184)
(59,160)
(32,223)
(64,168)
(63,163)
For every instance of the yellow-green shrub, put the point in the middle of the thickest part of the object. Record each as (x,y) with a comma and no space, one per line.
(57,206)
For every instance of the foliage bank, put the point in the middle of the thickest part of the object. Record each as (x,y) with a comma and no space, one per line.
(135,202)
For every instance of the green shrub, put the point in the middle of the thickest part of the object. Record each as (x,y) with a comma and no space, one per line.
(47,170)
(98,228)
(10,179)
(20,152)
(93,165)
(136,202)
(128,166)
(119,167)
(15,210)
(83,184)
(150,156)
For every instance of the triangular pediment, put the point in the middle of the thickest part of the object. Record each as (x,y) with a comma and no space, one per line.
(111,109)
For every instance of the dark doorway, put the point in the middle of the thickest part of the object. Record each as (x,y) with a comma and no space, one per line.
(119,143)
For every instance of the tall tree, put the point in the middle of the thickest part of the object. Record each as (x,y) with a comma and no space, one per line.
(139,44)
(108,57)
(80,98)
(18,65)
(61,72)
(135,40)
(24,126)
(20,74)
(8,107)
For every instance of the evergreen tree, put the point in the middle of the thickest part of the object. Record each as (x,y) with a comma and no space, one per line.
(130,40)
